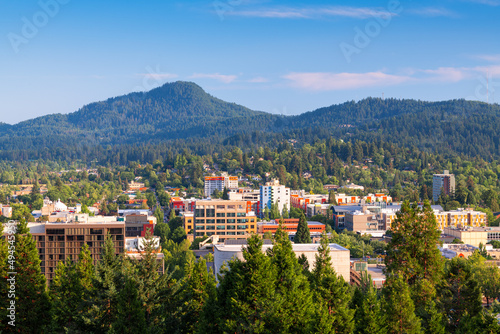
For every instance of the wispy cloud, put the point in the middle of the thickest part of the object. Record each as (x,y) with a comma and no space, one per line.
(432,12)
(159,76)
(327,81)
(493,70)
(323,81)
(258,80)
(489,58)
(314,13)
(446,74)
(215,76)
(485,2)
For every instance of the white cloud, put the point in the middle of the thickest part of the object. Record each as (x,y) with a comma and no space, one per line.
(327,81)
(485,2)
(489,58)
(446,74)
(258,80)
(215,76)
(159,76)
(493,70)
(314,13)
(433,12)
(324,81)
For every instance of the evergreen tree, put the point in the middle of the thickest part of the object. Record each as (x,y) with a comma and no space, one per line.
(129,311)
(284,212)
(399,308)
(331,197)
(413,254)
(225,194)
(32,300)
(245,300)
(302,236)
(71,283)
(148,275)
(369,315)
(332,292)
(433,320)
(198,287)
(294,298)
(102,301)
(460,295)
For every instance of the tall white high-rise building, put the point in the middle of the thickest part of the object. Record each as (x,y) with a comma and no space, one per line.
(273,192)
(213,183)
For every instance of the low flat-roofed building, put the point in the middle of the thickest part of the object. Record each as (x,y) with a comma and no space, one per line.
(474,235)
(361,221)
(317,209)
(340,256)
(289,225)
(450,251)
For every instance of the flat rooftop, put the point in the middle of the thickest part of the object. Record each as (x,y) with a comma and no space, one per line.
(476,229)
(296,247)
(276,224)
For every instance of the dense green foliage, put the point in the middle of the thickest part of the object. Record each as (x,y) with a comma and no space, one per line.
(181,115)
(267,292)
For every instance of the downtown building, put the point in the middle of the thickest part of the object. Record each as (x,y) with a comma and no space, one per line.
(63,241)
(274,193)
(442,182)
(224,218)
(213,183)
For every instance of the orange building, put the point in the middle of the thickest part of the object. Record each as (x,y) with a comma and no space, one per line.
(290,225)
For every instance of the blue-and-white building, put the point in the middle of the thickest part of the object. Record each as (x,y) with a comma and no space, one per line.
(273,192)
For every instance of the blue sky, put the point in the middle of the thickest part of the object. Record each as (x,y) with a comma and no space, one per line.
(283,57)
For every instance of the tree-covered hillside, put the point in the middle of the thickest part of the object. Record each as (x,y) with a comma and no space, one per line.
(184,115)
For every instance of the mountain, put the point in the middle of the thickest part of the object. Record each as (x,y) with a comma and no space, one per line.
(182,113)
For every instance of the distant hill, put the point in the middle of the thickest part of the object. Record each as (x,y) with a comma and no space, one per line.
(183,112)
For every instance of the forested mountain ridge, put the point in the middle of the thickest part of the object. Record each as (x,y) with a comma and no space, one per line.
(183,111)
